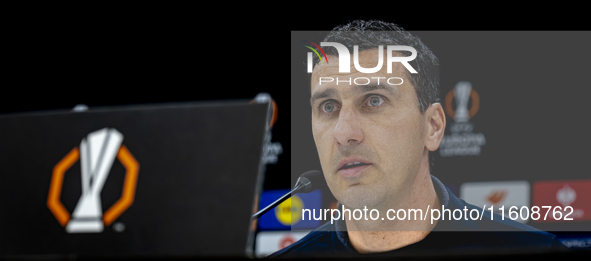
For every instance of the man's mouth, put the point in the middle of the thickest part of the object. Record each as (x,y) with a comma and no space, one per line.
(353,165)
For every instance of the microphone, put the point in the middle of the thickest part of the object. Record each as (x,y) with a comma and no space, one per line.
(307,182)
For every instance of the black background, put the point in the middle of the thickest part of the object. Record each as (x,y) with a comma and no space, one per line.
(58,57)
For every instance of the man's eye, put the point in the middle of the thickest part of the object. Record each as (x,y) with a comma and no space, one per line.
(374,101)
(328,107)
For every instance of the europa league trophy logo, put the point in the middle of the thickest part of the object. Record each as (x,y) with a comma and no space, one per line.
(97,153)
(462,95)
(462,141)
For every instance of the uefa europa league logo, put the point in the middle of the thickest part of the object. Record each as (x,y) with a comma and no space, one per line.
(462,95)
(97,153)
(462,141)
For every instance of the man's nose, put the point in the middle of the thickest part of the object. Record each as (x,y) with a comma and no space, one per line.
(348,129)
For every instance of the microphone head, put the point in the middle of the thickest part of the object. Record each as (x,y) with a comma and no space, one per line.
(311,180)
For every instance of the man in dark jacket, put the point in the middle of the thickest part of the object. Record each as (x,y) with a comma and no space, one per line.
(375,118)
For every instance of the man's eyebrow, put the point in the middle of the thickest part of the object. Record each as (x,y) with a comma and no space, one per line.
(359,89)
(331,92)
(372,87)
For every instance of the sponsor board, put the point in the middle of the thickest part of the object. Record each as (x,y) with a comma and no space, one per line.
(573,197)
(287,215)
(497,194)
(269,242)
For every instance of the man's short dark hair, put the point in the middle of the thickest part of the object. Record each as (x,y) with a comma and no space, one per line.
(370,34)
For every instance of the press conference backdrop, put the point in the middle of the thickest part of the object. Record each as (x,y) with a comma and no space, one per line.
(516,135)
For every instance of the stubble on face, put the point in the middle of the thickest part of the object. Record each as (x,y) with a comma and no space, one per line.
(391,138)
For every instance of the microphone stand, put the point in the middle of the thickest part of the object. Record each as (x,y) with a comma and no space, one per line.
(278,201)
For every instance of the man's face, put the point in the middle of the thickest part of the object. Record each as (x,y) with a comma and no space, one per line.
(377,128)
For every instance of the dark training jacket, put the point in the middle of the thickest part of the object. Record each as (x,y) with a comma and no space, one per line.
(454,237)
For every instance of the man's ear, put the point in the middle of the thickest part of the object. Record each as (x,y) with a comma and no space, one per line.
(435,126)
